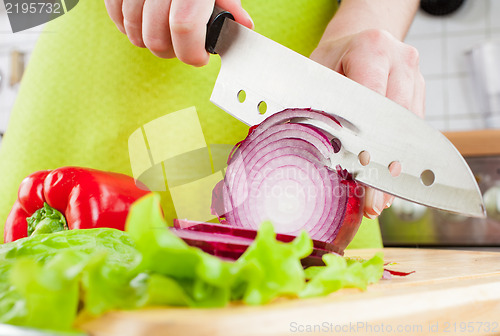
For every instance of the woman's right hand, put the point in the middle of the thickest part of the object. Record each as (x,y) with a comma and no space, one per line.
(171,28)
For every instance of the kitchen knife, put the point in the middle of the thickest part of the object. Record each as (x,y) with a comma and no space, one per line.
(433,172)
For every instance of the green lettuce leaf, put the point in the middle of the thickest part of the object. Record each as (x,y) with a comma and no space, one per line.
(47,279)
(165,291)
(107,285)
(341,273)
(203,280)
(41,275)
(270,268)
(267,269)
(52,287)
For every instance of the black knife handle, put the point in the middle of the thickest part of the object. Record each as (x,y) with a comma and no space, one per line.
(214,26)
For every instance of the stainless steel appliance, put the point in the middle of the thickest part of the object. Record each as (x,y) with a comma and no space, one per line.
(410,224)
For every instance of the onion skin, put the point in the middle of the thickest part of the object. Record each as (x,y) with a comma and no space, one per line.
(231,244)
(281,142)
(218,230)
(353,215)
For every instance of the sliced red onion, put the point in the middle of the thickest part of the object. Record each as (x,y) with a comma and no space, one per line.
(224,245)
(222,229)
(245,163)
(386,275)
(212,242)
(398,273)
(299,131)
(312,261)
(281,182)
(281,173)
(287,115)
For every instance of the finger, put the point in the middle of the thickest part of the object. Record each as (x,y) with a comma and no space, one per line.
(155,28)
(132,21)
(240,15)
(370,74)
(401,83)
(368,62)
(418,106)
(374,202)
(390,199)
(114,8)
(331,54)
(188,21)
(401,87)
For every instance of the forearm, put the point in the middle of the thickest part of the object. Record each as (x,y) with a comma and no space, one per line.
(354,16)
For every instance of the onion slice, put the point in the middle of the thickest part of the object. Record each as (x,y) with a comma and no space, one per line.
(282,173)
(231,247)
(222,229)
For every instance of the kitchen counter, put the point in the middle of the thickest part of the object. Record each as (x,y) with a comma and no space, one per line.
(449,291)
(476,143)
(495,249)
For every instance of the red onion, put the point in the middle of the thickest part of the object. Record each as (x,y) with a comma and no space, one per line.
(228,246)
(233,231)
(282,173)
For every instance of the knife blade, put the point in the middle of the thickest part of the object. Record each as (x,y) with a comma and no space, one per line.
(433,172)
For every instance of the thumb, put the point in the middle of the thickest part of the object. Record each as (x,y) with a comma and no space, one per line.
(234,7)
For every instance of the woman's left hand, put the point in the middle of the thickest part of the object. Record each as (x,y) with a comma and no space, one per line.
(379,61)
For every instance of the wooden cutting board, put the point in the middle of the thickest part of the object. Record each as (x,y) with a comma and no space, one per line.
(451,293)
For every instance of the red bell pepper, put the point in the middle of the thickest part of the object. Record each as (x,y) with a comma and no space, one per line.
(71,198)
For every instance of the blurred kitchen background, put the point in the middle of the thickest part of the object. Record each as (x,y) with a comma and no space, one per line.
(461,65)
(443,42)
(452,106)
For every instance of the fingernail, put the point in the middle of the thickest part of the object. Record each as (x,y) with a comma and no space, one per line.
(249,19)
(371,216)
(389,202)
(378,202)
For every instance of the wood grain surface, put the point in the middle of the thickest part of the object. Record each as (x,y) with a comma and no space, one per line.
(476,143)
(450,293)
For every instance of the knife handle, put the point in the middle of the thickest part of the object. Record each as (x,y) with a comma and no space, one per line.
(214,26)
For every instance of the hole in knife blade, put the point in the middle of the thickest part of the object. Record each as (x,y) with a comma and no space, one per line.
(336,144)
(395,168)
(262,107)
(364,158)
(242,95)
(427,177)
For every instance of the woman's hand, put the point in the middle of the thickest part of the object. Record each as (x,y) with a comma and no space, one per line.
(379,61)
(171,28)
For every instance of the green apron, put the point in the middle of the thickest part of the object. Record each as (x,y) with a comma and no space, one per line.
(87,88)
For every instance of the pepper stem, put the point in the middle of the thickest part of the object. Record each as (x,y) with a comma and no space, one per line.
(46,220)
